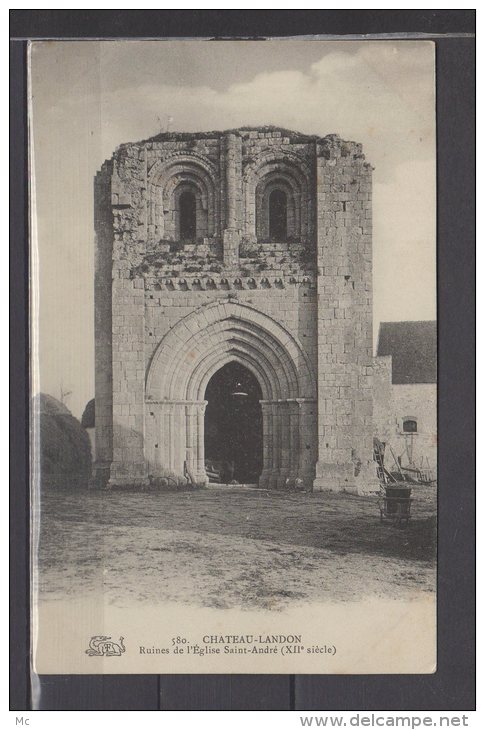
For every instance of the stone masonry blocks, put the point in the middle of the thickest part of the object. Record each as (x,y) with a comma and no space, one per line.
(297,312)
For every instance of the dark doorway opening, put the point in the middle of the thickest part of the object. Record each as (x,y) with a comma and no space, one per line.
(278,215)
(188,216)
(233,426)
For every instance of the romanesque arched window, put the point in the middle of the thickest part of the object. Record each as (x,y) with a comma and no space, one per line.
(183,205)
(188,216)
(278,215)
(189,212)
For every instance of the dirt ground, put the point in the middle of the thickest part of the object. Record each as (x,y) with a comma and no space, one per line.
(233,547)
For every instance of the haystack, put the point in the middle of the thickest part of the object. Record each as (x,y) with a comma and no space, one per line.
(64,447)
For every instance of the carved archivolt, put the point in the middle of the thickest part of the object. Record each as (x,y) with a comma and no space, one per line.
(286,172)
(167,180)
(222,332)
(186,359)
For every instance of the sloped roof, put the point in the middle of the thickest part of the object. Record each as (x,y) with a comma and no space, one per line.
(413,349)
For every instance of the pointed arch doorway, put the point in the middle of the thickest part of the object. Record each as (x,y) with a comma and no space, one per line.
(177,394)
(233,428)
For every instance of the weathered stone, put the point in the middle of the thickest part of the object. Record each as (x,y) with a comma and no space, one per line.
(253,245)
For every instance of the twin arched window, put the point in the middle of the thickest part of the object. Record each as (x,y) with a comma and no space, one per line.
(276,213)
(274,203)
(277,207)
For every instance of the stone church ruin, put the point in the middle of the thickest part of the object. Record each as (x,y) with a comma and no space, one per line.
(233,310)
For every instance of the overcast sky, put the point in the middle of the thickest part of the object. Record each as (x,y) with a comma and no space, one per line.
(89,97)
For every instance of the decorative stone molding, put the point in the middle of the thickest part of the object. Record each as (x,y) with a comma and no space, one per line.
(228,283)
(182,171)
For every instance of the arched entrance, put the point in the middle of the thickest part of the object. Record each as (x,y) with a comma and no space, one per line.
(233,428)
(198,347)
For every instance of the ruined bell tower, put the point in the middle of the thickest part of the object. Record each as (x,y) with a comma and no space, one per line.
(248,249)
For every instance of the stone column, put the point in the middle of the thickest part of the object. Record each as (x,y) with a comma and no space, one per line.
(104,236)
(289,443)
(168,434)
(174,438)
(274,446)
(308,449)
(120,214)
(294,407)
(232,148)
(267,444)
(344,334)
(233,185)
(128,467)
(201,475)
(190,438)
(283,410)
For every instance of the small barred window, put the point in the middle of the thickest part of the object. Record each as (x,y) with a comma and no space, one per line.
(410,425)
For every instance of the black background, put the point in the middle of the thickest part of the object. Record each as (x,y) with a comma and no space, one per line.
(452,687)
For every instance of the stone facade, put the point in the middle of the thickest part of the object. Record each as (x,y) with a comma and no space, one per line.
(248,246)
(398,403)
(405,393)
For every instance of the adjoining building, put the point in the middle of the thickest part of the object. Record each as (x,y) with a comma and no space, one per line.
(405,394)
(233,300)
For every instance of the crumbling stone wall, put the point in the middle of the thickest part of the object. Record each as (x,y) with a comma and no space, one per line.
(297,312)
(344,326)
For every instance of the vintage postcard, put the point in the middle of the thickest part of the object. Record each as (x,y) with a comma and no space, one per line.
(233,305)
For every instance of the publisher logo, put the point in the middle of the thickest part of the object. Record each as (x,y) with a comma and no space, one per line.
(105,646)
